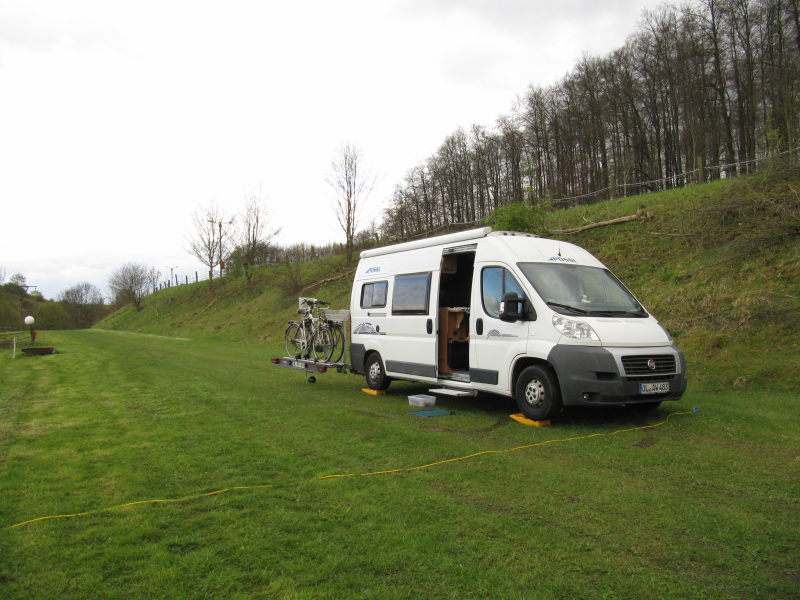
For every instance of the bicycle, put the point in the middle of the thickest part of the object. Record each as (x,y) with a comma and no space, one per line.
(332,321)
(314,336)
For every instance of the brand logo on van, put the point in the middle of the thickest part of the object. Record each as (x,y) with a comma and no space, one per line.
(496,333)
(374,270)
(562,259)
(367,329)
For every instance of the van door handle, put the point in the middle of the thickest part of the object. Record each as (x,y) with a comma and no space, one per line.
(429,326)
(479,326)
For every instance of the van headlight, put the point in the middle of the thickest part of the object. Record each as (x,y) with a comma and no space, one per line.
(577,330)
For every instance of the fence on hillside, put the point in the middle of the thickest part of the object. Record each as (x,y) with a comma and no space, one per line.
(724,171)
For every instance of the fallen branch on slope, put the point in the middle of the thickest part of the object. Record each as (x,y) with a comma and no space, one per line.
(640,214)
(328,280)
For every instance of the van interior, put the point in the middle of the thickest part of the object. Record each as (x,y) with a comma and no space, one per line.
(455,292)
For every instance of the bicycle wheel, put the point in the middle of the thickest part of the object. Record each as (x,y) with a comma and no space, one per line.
(323,343)
(338,345)
(295,340)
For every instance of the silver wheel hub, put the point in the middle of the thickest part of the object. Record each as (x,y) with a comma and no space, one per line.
(374,371)
(534,393)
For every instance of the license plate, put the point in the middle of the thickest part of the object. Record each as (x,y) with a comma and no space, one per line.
(298,364)
(662,387)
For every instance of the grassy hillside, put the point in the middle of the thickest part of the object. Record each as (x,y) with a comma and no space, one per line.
(232,309)
(718,264)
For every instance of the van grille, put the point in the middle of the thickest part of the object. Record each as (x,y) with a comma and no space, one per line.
(640,365)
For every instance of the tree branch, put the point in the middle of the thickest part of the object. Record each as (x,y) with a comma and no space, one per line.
(640,214)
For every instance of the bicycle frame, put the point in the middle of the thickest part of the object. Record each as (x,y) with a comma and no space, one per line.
(314,333)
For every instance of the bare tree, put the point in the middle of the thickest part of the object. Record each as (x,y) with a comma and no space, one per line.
(209,244)
(352,185)
(254,235)
(82,293)
(84,302)
(2,274)
(19,280)
(132,282)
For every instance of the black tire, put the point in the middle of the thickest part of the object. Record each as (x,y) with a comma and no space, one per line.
(375,373)
(338,351)
(537,393)
(323,344)
(333,342)
(294,339)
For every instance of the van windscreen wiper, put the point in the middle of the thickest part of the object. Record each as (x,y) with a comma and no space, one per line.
(618,313)
(568,307)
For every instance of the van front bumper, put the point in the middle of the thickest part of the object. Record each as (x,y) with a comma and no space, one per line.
(594,375)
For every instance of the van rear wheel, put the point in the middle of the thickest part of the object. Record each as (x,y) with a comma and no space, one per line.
(375,373)
(537,393)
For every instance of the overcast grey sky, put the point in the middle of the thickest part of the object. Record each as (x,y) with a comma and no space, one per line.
(119,119)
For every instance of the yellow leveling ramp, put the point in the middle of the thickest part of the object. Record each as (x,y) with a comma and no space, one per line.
(374,392)
(520,418)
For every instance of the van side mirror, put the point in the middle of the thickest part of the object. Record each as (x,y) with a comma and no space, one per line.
(512,307)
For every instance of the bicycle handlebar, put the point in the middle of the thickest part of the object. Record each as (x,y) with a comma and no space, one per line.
(313,302)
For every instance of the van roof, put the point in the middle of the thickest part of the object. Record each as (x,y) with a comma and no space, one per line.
(450,238)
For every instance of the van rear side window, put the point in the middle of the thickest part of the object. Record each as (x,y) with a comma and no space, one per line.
(411,293)
(373,295)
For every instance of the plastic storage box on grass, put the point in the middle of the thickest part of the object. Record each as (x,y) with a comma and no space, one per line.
(422,400)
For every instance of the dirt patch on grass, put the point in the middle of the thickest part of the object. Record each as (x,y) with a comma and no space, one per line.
(646,442)
(502,421)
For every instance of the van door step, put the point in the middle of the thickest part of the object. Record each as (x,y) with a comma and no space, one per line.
(453,392)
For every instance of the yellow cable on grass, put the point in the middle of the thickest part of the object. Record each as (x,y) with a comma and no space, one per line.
(341,475)
(107,508)
(450,460)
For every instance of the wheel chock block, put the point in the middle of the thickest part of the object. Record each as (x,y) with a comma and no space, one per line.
(374,392)
(520,418)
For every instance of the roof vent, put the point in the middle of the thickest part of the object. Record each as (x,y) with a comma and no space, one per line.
(514,234)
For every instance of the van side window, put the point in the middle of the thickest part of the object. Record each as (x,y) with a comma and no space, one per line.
(373,295)
(411,293)
(495,282)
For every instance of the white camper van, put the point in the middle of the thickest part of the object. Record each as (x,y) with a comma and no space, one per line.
(539,320)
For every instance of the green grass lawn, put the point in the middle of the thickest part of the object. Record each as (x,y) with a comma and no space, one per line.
(703,506)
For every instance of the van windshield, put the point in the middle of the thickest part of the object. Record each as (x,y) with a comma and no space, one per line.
(581,290)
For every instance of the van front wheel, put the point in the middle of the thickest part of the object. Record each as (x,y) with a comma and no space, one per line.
(537,393)
(375,373)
